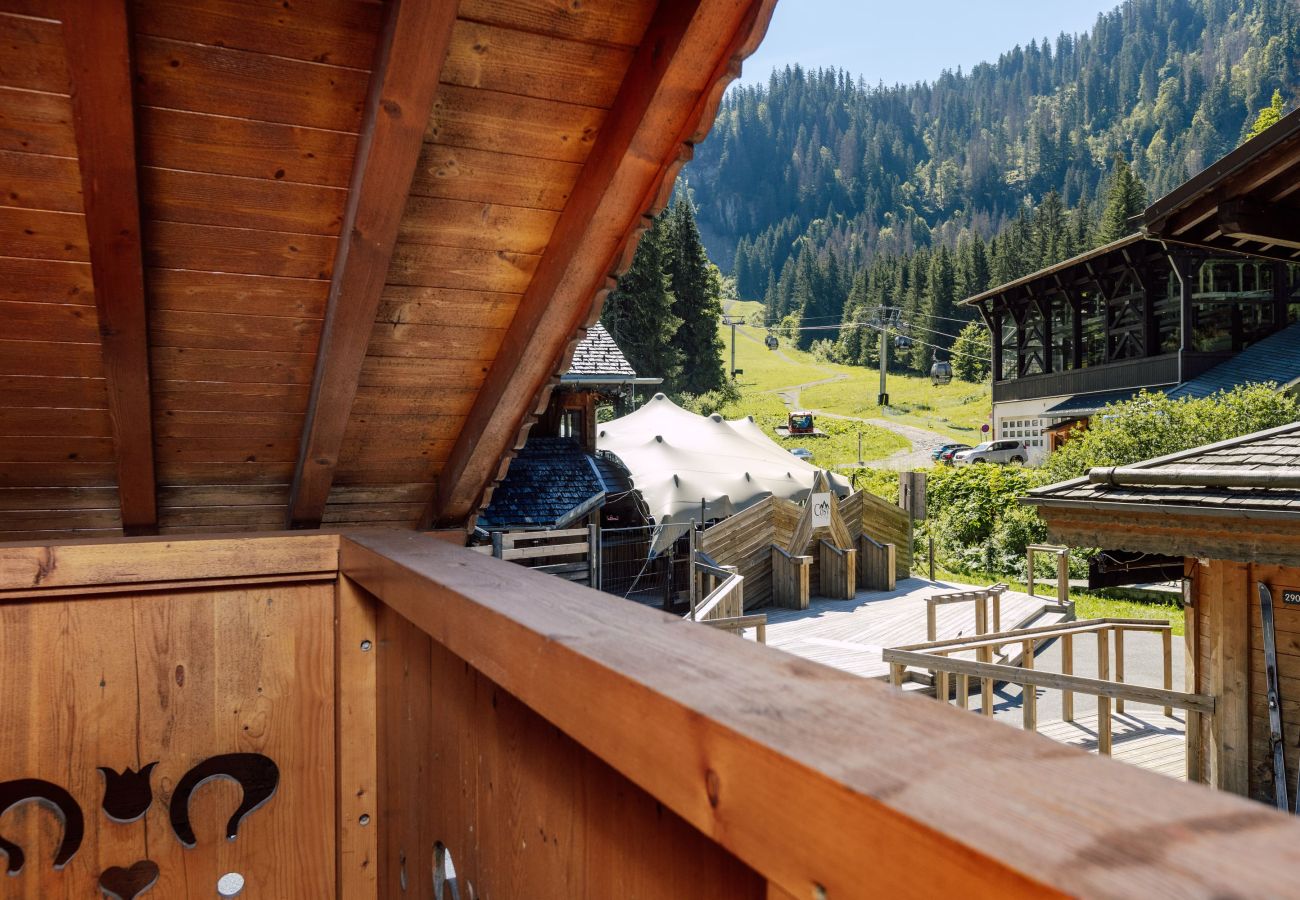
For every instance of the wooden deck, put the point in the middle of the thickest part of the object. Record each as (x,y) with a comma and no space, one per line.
(1145,738)
(849,634)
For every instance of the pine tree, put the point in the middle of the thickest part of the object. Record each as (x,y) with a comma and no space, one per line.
(639,313)
(1127,198)
(696,302)
(1268,116)
(971,353)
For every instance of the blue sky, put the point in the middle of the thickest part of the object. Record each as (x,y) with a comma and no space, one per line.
(909,40)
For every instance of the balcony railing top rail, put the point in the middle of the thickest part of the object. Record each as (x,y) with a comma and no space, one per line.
(831,785)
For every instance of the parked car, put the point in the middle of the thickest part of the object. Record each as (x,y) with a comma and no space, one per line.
(802,453)
(946,456)
(1003,452)
(937,453)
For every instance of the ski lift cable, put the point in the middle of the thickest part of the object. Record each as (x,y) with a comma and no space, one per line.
(937,347)
(895,331)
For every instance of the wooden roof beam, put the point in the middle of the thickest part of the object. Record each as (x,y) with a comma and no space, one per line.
(403,84)
(98,45)
(691,49)
(1250,221)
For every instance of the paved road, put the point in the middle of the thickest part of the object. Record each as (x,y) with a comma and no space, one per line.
(923,442)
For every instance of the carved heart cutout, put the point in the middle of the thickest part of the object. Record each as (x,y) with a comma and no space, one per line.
(127,884)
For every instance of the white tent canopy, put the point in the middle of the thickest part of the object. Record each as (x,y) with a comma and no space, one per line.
(687,466)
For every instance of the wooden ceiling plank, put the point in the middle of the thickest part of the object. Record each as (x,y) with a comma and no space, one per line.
(403,85)
(647,133)
(97,39)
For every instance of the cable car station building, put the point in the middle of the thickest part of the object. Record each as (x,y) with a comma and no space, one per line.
(1148,311)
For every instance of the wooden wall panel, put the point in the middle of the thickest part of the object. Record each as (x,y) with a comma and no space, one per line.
(1280,579)
(54,426)
(174,678)
(522,808)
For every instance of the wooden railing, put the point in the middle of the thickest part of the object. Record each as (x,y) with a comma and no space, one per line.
(552,552)
(937,656)
(550,714)
(725,600)
(981,597)
(839,571)
(1062,555)
(877,564)
(425,703)
(791,584)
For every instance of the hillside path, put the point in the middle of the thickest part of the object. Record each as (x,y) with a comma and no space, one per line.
(922,440)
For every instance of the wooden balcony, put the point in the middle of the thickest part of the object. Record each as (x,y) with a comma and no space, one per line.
(420,701)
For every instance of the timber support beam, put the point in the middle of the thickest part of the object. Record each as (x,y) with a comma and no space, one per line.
(98,43)
(403,84)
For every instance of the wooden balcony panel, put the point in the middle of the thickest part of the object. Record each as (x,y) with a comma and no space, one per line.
(827,782)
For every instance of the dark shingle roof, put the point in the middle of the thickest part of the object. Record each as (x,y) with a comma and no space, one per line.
(1251,460)
(1276,358)
(550,477)
(597,354)
(1089,404)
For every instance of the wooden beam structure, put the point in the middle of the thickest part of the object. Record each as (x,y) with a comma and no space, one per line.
(637,152)
(97,40)
(1274,226)
(403,84)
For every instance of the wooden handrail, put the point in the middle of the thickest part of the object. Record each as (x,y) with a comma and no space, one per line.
(802,560)
(838,551)
(844,763)
(1198,703)
(715,599)
(1039,633)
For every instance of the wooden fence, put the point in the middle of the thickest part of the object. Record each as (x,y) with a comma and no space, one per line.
(423,702)
(571,553)
(1062,556)
(938,657)
(744,540)
(876,564)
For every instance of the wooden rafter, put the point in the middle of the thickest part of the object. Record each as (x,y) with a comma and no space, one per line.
(648,134)
(98,43)
(403,85)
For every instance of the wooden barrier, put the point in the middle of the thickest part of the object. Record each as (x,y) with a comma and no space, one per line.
(876,564)
(839,570)
(1062,555)
(422,702)
(983,598)
(524,753)
(740,624)
(744,540)
(791,584)
(175,652)
(936,657)
(553,552)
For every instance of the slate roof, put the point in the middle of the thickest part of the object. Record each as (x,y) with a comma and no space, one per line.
(1252,458)
(550,477)
(1276,358)
(1088,404)
(597,354)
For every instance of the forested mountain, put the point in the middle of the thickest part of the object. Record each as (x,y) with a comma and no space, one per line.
(816,190)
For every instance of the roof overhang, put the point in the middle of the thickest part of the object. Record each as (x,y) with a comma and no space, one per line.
(1247,202)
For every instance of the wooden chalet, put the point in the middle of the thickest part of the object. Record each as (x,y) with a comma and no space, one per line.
(275,264)
(1145,312)
(1232,511)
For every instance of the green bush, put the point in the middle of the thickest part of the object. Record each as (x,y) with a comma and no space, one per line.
(1153,425)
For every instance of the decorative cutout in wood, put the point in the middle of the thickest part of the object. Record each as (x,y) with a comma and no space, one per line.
(53,797)
(127,794)
(118,883)
(258,775)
